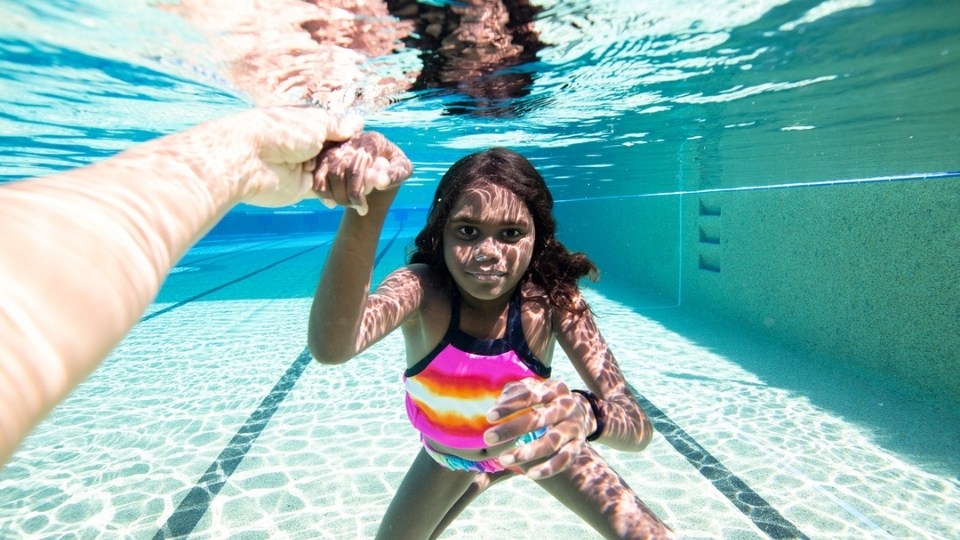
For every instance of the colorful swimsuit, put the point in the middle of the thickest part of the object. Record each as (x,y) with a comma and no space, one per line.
(450,391)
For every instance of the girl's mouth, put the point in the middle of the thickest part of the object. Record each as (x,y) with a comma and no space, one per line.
(487,275)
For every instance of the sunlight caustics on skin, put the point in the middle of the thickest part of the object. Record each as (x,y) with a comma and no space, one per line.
(99,466)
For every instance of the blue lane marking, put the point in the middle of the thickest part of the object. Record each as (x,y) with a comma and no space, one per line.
(192,508)
(748,501)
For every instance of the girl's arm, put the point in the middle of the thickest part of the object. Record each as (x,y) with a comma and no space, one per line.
(344,318)
(85,251)
(626,425)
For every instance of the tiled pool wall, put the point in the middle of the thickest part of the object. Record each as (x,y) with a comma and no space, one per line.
(861,273)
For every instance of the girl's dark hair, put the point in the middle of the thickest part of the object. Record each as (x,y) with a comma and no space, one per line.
(553,268)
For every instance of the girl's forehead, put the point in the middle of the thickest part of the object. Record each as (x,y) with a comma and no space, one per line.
(489,202)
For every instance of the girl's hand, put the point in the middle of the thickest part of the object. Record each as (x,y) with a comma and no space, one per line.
(538,404)
(347,172)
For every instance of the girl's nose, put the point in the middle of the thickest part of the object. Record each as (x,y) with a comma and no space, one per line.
(486,251)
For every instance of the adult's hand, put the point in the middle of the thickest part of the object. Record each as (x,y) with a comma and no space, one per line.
(287,142)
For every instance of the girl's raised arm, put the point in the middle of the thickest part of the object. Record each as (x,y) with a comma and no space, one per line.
(362,173)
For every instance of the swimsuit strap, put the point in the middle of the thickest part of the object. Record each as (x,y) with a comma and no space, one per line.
(518,341)
(514,321)
(454,326)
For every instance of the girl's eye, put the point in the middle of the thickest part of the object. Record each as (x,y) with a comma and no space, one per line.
(512,234)
(467,231)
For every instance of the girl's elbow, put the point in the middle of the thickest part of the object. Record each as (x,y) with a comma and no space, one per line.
(328,359)
(325,354)
(644,440)
(641,428)
(644,434)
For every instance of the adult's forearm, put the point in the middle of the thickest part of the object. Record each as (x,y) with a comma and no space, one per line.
(86,251)
(83,255)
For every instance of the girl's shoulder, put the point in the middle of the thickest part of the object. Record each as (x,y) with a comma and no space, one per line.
(535,302)
(412,288)
(427,324)
(537,296)
(538,319)
(531,293)
(429,280)
(417,274)
(574,310)
(434,290)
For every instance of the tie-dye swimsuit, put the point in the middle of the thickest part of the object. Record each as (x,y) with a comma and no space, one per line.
(450,391)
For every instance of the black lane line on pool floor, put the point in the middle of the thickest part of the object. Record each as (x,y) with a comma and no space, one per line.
(185,518)
(231,282)
(184,262)
(748,501)
(192,508)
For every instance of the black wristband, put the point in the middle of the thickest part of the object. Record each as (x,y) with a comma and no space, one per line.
(597,409)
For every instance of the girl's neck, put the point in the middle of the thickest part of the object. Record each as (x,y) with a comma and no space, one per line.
(485,319)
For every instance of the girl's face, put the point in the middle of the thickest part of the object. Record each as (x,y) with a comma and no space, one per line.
(488,241)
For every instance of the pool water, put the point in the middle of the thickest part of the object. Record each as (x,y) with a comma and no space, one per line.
(210,421)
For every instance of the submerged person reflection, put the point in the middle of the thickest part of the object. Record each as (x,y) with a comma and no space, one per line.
(85,251)
(474,47)
(488,293)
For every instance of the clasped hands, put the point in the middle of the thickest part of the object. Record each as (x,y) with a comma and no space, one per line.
(346,173)
(548,404)
(297,151)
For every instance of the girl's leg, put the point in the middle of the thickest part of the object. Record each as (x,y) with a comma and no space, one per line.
(596,493)
(479,484)
(424,498)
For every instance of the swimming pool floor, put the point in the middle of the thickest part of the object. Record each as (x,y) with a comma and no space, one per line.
(209,421)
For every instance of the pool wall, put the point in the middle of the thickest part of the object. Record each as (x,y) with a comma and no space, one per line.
(864,274)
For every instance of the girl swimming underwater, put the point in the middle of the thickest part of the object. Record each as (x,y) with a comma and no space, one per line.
(487,294)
